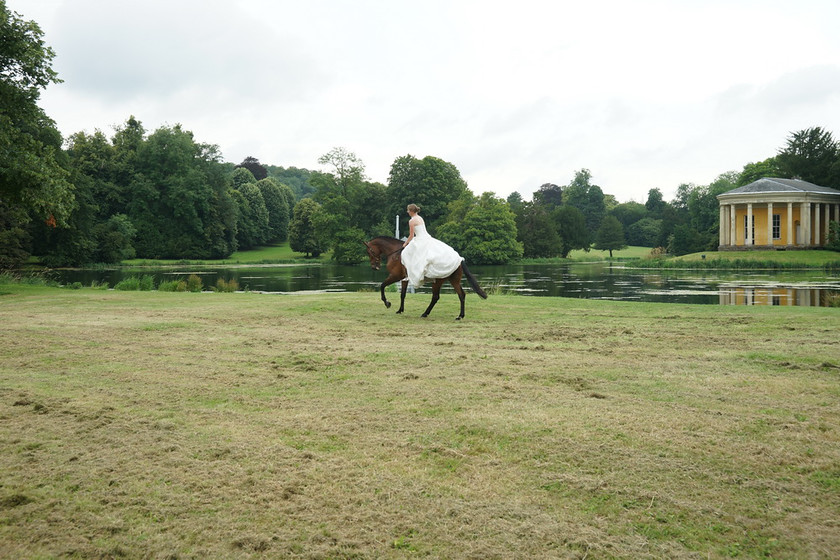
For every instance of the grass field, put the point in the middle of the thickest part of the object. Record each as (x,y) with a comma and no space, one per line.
(212,425)
(278,253)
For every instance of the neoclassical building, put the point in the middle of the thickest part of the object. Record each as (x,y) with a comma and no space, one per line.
(777,214)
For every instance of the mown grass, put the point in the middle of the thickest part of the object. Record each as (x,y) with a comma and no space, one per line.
(198,425)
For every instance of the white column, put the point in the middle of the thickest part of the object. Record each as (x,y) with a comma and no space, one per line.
(733,223)
(817,223)
(805,219)
(827,222)
(748,240)
(790,239)
(770,224)
(724,227)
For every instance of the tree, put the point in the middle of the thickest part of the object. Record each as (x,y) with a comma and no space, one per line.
(253,225)
(811,155)
(304,236)
(178,198)
(515,202)
(33,183)
(277,208)
(431,183)
(549,196)
(685,240)
(348,248)
(629,213)
(15,242)
(610,236)
(587,198)
(348,170)
(755,171)
(644,233)
(253,165)
(537,232)
(701,213)
(655,203)
(296,179)
(571,227)
(242,176)
(487,234)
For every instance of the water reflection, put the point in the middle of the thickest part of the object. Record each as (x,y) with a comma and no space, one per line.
(589,281)
(783,296)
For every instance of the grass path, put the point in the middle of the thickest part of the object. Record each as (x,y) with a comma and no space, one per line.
(180,425)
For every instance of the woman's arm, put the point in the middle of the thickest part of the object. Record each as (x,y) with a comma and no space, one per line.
(411,223)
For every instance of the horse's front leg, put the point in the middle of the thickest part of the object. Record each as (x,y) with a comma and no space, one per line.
(403,289)
(435,296)
(382,287)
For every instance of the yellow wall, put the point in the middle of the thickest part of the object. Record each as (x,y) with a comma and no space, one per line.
(760,224)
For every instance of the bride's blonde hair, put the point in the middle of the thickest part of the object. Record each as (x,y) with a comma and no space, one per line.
(413,208)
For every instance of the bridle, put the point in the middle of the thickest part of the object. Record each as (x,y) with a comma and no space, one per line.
(388,255)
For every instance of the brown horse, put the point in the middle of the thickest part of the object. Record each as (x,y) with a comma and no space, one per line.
(391,249)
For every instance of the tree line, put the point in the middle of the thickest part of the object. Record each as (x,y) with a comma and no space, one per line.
(95,199)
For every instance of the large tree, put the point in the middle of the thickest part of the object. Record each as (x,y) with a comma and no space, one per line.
(537,232)
(571,227)
(549,196)
(347,170)
(811,155)
(430,183)
(277,206)
(587,198)
(610,236)
(487,234)
(179,200)
(253,165)
(33,183)
(305,231)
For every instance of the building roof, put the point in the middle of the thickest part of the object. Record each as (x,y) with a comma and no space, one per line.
(771,184)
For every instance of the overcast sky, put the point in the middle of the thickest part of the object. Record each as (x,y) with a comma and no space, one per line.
(644,93)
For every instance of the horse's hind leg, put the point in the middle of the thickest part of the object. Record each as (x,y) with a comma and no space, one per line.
(403,289)
(435,297)
(461,295)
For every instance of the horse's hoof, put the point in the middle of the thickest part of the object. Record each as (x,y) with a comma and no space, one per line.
(387,305)
(399,311)
(458,318)
(424,315)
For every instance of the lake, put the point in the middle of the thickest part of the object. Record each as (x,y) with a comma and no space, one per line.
(575,280)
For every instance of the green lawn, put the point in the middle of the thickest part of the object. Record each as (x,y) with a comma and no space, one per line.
(807,258)
(243,425)
(276,253)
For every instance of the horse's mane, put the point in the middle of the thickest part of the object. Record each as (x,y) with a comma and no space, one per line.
(386,239)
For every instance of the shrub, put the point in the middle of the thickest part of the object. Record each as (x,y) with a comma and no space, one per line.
(173,286)
(231,285)
(658,253)
(194,283)
(135,283)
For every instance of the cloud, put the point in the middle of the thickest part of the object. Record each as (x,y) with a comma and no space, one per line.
(178,52)
(645,94)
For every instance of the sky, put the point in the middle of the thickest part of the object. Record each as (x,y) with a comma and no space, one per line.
(644,94)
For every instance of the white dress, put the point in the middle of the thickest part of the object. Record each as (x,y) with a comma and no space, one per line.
(426,257)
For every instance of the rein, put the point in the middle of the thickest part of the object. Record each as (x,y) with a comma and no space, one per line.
(394,253)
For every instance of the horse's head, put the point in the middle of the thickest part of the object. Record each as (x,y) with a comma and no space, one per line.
(375,255)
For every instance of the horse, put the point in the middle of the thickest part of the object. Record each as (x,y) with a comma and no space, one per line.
(390,248)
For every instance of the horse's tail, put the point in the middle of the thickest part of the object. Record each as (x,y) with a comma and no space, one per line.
(476,288)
